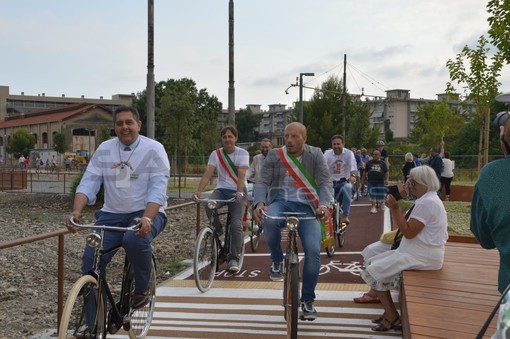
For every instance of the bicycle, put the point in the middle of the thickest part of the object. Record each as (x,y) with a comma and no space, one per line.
(255,233)
(339,229)
(110,315)
(210,251)
(291,269)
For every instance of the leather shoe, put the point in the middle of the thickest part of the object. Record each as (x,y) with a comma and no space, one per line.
(139,300)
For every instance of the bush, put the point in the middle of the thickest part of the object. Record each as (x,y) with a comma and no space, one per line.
(100,194)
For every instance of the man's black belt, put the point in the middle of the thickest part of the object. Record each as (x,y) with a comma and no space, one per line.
(339,181)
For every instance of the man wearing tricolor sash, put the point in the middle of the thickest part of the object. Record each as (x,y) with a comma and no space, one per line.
(231,163)
(295,178)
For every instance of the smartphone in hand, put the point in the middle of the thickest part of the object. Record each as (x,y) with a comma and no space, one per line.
(393,190)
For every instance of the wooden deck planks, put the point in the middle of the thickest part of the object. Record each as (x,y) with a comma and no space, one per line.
(455,301)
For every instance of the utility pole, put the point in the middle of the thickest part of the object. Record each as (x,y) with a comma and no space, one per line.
(344,95)
(151,101)
(301,93)
(231,89)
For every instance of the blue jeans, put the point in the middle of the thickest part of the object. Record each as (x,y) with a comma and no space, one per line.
(138,250)
(310,234)
(345,190)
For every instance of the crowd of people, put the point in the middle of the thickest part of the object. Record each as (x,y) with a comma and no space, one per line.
(296,177)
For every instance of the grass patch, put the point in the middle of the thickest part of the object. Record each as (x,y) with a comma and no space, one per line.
(458,212)
(459,215)
(189,184)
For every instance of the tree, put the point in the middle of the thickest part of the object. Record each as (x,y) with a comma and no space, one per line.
(434,123)
(323,117)
(246,123)
(103,133)
(499,14)
(20,143)
(60,143)
(480,86)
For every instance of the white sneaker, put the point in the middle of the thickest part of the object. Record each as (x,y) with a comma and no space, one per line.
(373,210)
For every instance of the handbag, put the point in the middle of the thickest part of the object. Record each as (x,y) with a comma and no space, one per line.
(395,237)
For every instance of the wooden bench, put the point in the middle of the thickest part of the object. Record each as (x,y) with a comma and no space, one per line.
(455,301)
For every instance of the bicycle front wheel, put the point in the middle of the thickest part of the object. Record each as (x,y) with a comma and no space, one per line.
(76,321)
(141,318)
(291,299)
(205,258)
(255,232)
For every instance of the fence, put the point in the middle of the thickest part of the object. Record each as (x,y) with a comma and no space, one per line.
(61,182)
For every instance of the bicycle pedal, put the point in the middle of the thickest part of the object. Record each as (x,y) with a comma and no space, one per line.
(302,317)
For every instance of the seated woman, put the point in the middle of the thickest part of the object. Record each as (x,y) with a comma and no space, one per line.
(422,246)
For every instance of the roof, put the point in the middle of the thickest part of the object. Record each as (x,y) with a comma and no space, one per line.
(48,115)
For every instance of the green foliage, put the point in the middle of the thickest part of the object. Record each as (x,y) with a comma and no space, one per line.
(433,123)
(103,133)
(499,14)
(186,118)
(323,117)
(60,143)
(76,183)
(480,84)
(21,142)
(246,123)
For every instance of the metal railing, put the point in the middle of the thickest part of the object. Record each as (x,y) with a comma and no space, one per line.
(60,263)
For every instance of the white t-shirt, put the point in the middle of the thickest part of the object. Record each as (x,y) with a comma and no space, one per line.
(340,165)
(429,210)
(240,157)
(447,170)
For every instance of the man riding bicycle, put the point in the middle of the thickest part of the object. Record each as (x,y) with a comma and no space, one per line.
(295,178)
(343,169)
(134,172)
(231,163)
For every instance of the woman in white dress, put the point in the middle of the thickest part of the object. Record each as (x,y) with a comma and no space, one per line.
(422,246)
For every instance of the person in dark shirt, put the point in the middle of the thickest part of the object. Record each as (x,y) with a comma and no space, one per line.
(376,175)
(408,165)
(436,162)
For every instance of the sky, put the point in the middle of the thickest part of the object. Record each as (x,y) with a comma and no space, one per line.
(99,48)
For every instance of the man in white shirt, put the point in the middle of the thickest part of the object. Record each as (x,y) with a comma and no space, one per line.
(134,172)
(256,165)
(343,169)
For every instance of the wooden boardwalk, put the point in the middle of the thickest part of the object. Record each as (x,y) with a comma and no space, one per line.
(455,301)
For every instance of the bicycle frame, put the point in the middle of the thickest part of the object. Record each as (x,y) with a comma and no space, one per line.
(292,276)
(119,314)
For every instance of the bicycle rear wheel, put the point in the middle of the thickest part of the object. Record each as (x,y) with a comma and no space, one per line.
(75,319)
(141,318)
(205,258)
(291,299)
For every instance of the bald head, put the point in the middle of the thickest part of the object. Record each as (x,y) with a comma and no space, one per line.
(295,138)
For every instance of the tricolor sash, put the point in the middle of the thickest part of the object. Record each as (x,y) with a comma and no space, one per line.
(300,175)
(305,181)
(227,164)
(229,167)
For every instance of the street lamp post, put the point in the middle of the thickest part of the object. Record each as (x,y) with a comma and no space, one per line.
(301,93)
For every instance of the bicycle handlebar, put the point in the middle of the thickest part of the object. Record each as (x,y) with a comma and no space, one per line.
(286,215)
(198,199)
(133,228)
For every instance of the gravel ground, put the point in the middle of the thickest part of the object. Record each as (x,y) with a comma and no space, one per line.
(28,273)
